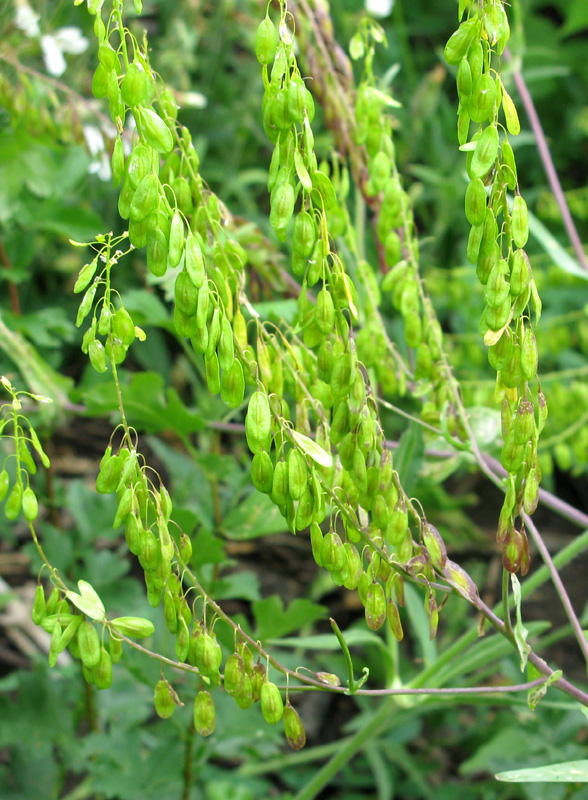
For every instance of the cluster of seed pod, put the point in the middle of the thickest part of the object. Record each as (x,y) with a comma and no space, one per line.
(20,496)
(395,231)
(502,265)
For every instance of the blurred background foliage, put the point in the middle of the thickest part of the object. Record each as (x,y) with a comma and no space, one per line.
(58,739)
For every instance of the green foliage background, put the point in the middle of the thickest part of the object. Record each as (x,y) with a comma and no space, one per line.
(57,739)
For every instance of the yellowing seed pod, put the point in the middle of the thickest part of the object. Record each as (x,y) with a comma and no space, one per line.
(272,705)
(204,714)
(524,422)
(293,728)
(354,568)
(208,656)
(375,607)
(185,294)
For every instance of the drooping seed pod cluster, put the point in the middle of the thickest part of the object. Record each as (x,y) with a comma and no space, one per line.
(498,235)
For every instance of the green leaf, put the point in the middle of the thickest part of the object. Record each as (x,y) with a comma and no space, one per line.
(520,632)
(553,248)
(565,772)
(408,458)
(254,517)
(88,601)
(272,621)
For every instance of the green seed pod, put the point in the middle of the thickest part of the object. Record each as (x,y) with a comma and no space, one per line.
(282,209)
(353,569)
(176,240)
(137,86)
(164,699)
(375,607)
(316,543)
(182,647)
(497,287)
(266,42)
(464,81)
(257,681)
(153,130)
(511,375)
(30,505)
(4,484)
(297,474)
(117,162)
(475,202)
(100,82)
(324,312)
(194,262)
(258,422)
(54,646)
(304,510)
(157,252)
(342,375)
(102,671)
(150,554)
(115,103)
(185,294)
(89,644)
(524,422)
(114,647)
(531,491)
(512,454)
(496,317)
(208,656)
(204,714)
(379,168)
(529,355)
(124,507)
(262,472)
(520,275)
(213,333)
(435,546)
(460,41)
(169,612)
(392,249)
(234,675)
(212,373)
(485,153)
(305,235)
(293,728)
(393,618)
(39,611)
(519,222)
(138,233)
(509,170)
(13,502)
(333,553)
(53,601)
(109,475)
(499,353)
(272,705)
(137,627)
(280,493)
(226,352)
(232,386)
(123,327)
(144,200)
(203,305)
(296,102)
(483,98)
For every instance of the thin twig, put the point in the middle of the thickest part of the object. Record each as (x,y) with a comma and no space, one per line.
(550,170)
(558,583)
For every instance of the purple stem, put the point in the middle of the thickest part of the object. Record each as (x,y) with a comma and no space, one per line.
(545,154)
(558,583)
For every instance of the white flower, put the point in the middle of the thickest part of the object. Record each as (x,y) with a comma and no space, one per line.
(64,40)
(94,139)
(27,19)
(101,167)
(52,56)
(192,99)
(379,8)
